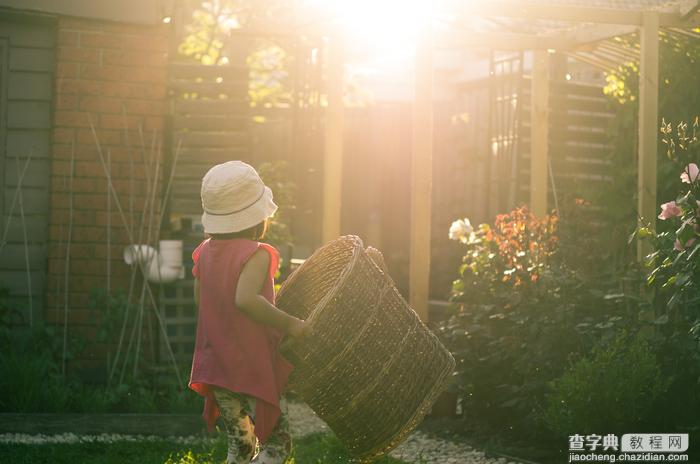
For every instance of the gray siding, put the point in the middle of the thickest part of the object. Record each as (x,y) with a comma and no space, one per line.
(27,53)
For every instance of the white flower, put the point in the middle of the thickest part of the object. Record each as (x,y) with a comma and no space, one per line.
(462,230)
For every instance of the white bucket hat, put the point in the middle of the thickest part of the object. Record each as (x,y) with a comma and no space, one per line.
(234,198)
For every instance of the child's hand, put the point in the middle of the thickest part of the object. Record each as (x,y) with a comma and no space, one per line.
(299,328)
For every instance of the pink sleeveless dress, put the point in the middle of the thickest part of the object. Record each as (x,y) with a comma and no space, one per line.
(233,351)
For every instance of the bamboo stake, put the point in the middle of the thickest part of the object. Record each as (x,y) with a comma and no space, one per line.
(66,272)
(131,170)
(60,246)
(166,198)
(109,231)
(131,240)
(138,317)
(146,163)
(109,247)
(148,241)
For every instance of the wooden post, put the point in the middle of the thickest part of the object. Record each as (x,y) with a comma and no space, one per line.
(648,124)
(421,176)
(539,132)
(333,143)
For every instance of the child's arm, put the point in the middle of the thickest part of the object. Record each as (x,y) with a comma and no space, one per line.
(250,301)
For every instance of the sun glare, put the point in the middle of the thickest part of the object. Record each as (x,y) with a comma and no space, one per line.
(382,28)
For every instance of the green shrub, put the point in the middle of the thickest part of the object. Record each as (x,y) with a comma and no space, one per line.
(519,314)
(612,390)
(31,383)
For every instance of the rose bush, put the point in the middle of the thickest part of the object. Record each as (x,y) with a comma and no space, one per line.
(674,263)
(519,316)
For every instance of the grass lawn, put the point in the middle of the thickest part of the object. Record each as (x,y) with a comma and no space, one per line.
(320,448)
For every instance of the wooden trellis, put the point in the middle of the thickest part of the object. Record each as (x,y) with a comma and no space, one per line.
(607,23)
(180,318)
(588,41)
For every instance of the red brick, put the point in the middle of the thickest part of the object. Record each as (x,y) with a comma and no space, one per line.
(67,70)
(101,104)
(117,121)
(62,135)
(89,169)
(59,168)
(134,90)
(145,107)
(71,119)
(123,73)
(96,71)
(80,55)
(90,185)
(78,311)
(154,123)
(90,201)
(66,102)
(82,152)
(87,234)
(74,86)
(150,43)
(135,58)
(75,299)
(132,29)
(56,267)
(150,74)
(68,38)
(81,184)
(101,40)
(82,218)
(105,137)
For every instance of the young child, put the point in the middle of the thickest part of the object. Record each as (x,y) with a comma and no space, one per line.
(236,364)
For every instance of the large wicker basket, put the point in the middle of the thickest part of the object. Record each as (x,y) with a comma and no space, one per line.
(371,369)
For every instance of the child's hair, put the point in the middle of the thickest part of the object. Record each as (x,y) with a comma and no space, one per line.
(257,232)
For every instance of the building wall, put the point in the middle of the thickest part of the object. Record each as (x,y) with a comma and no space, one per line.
(26,87)
(112,77)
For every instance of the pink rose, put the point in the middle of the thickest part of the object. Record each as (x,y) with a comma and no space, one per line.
(690,173)
(669,210)
(677,244)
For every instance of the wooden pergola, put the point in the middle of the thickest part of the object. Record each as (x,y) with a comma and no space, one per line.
(588,41)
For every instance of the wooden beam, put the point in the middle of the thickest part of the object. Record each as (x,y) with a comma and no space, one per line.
(584,59)
(421,177)
(502,41)
(624,53)
(648,125)
(529,11)
(333,142)
(670,15)
(596,33)
(539,132)
(689,8)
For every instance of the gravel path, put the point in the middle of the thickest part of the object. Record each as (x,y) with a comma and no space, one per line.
(419,448)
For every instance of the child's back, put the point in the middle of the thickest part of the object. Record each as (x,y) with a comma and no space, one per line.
(232,350)
(236,361)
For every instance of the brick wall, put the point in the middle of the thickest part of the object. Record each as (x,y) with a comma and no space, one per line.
(115,76)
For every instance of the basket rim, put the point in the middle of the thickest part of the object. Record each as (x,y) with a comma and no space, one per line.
(357,250)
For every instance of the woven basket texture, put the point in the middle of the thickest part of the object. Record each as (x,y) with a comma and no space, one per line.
(370,368)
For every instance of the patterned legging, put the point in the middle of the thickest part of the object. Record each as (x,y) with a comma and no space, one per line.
(236,411)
